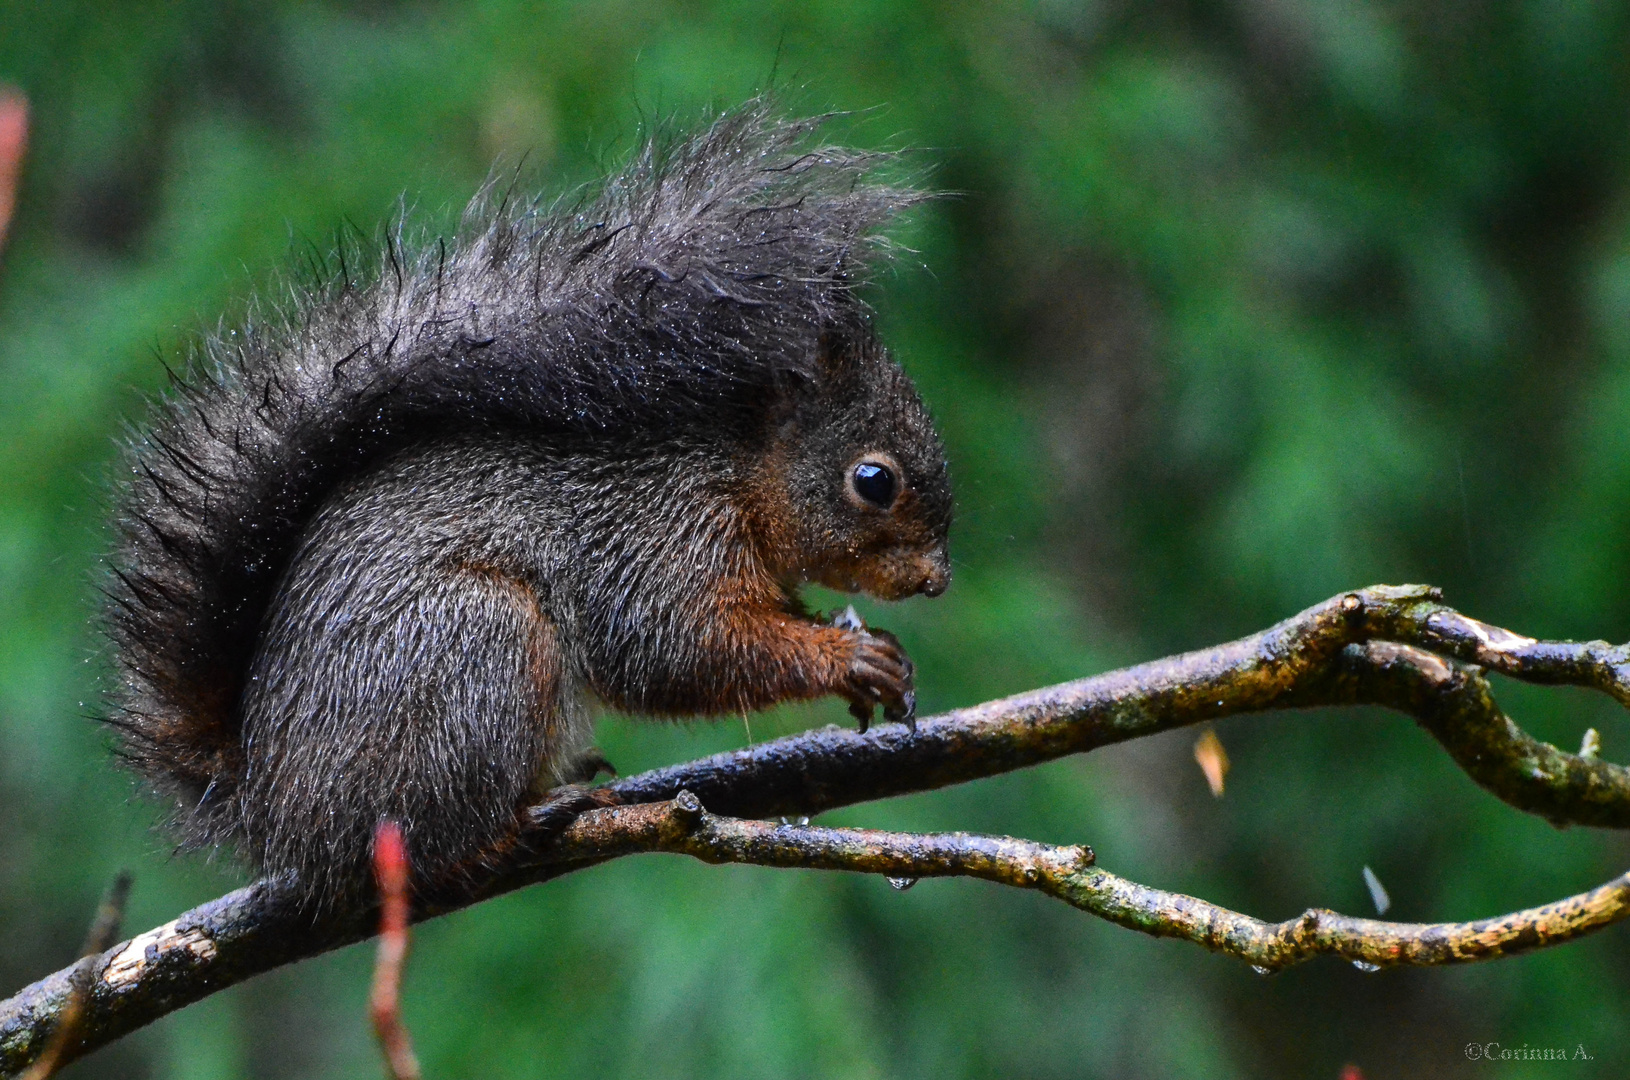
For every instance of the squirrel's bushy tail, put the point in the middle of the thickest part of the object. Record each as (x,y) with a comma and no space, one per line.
(694,280)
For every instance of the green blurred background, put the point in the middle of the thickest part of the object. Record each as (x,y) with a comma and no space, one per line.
(1242,304)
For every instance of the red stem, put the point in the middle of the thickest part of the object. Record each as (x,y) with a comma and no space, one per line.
(385,1001)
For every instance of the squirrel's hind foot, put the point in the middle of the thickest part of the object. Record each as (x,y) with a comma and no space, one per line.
(561,806)
(586,766)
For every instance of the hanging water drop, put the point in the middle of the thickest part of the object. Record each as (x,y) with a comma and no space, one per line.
(901,884)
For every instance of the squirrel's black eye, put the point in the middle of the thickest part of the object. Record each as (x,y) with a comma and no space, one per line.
(875,483)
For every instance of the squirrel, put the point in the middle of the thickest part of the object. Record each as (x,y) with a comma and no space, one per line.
(380,551)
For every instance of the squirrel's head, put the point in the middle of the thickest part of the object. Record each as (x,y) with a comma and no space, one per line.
(859,463)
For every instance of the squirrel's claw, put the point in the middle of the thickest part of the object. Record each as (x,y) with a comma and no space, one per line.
(862,714)
(907,713)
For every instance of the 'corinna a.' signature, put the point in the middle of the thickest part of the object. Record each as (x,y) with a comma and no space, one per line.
(1493,1051)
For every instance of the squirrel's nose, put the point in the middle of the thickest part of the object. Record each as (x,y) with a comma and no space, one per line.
(937,578)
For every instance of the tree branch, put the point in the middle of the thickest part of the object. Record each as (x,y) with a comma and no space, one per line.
(1392,646)
(1068,873)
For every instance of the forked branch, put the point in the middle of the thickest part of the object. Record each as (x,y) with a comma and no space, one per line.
(1392,646)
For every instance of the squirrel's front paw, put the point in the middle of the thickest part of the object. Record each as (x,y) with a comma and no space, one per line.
(880,673)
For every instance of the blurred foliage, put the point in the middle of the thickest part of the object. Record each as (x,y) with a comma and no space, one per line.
(1239,304)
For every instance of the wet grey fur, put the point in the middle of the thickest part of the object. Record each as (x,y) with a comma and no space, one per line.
(291,661)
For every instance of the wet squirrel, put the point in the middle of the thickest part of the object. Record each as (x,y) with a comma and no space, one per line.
(379,551)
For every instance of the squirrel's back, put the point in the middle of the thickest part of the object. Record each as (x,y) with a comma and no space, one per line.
(695,287)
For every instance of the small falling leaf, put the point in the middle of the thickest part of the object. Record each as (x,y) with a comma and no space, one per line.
(1213,760)
(1591,745)
(1378,893)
